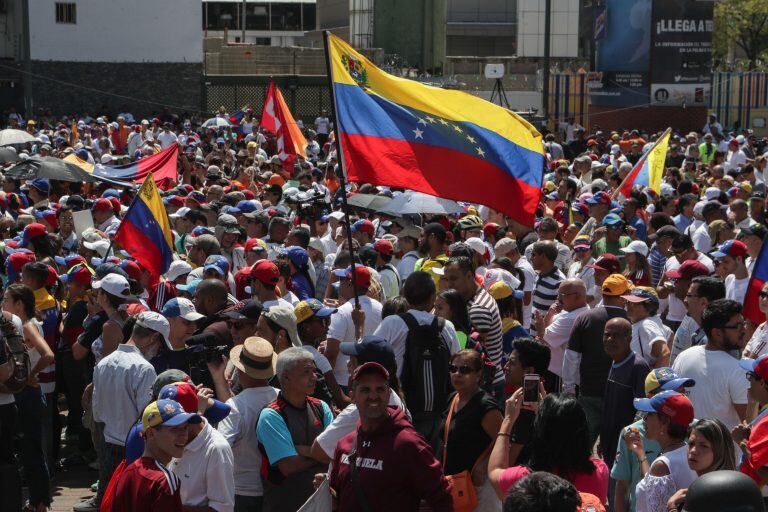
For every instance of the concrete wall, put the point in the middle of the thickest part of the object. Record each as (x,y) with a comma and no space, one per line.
(11,31)
(413,30)
(564,38)
(332,14)
(118,31)
(141,89)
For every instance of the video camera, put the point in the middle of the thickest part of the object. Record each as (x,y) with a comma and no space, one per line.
(202,349)
(310,204)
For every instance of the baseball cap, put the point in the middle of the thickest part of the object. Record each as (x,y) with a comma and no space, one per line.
(636,246)
(666,379)
(180,213)
(712,206)
(615,285)
(667,231)
(114,284)
(165,413)
(156,322)
(607,262)
(80,274)
(688,270)
(671,404)
(190,287)
(255,245)
(612,219)
(495,275)
(599,198)
(757,230)
(182,392)
(642,294)
(316,244)
(31,231)
(409,231)
(758,366)
(364,226)
(283,315)
(69,261)
(369,368)
(731,248)
(504,246)
(177,269)
(181,307)
(15,262)
(384,247)
(41,184)
(501,290)
(102,205)
(362,274)
(370,348)
(582,243)
(246,310)
(309,308)
(265,271)
(297,255)
(168,377)
(218,263)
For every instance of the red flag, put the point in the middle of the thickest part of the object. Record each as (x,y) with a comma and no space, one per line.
(277,118)
(162,165)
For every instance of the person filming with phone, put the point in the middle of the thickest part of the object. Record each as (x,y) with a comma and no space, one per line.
(472,420)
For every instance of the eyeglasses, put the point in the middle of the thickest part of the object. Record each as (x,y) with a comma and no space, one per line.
(763,295)
(739,325)
(463,369)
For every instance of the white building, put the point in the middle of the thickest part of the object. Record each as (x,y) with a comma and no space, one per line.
(267,22)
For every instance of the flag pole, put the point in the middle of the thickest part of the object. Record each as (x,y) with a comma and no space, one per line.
(135,198)
(342,167)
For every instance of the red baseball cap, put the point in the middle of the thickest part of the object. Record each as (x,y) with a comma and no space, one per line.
(675,406)
(490,229)
(102,205)
(115,205)
(731,248)
(265,271)
(78,274)
(53,276)
(364,226)
(33,230)
(255,244)
(688,270)
(758,366)
(384,247)
(361,272)
(607,262)
(183,392)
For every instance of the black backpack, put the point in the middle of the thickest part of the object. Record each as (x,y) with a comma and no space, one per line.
(425,378)
(12,344)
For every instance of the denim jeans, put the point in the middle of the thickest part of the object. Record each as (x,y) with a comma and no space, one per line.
(31,409)
(110,456)
(248,503)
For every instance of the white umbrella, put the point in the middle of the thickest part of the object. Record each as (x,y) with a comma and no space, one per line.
(368,201)
(411,202)
(216,122)
(10,136)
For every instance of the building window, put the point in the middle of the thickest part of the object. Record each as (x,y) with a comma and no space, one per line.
(66,13)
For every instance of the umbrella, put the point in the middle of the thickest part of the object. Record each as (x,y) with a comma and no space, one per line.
(8,155)
(56,169)
(410,202)
(10,136)
(368,201)
(216,122)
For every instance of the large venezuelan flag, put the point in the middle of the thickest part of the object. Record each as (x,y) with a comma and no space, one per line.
(162,165)
(145,231)
(400,133)
(649,170)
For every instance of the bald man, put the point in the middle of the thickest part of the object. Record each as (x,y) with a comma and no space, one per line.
(557,325)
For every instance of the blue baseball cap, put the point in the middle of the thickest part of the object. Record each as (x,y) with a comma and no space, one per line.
(109,268)
(309,308)
(612,219)
(297,255)
(165,413)
(111,192)
(665,379)
(190,287)
(202,230)
(246,207)
(41,184)
(181,307)
(220,140)
(69,261)
(370,348)
(599,198)
(218,263)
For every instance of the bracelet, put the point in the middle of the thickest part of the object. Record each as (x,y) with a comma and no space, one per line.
(644,459)
(503,434)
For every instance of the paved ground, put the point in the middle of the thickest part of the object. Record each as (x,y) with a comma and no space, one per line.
(71,486)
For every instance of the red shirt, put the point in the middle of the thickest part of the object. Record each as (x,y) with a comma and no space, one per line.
(147,485)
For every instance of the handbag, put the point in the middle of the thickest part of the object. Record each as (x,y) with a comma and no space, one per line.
(462,487)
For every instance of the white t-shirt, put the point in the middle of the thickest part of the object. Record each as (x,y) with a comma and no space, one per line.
(321,361)
(345,423)
(167,139)
(677,310)
(395,331)
(239,429)
(759,340)
(701,240)
(343,329)
(645,333)
(556,335)
(720,383)
(530,281)
(736,289)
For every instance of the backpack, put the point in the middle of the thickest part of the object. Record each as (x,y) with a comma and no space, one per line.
(425,378)
(16,351)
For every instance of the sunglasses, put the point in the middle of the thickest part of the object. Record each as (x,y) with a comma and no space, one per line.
(463,369)
(763,295)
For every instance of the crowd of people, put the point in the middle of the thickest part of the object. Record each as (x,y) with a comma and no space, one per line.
(295,351)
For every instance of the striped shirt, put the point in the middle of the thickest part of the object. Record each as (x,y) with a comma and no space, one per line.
(545,292)
(485,318)
(657,261)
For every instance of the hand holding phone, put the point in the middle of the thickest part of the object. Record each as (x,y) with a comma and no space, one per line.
(531,389)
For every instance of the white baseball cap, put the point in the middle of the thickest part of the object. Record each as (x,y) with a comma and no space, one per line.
(177,269)
(181,307)
(101,247)
(114,284)
(181,212)
(156,322)
(636,246)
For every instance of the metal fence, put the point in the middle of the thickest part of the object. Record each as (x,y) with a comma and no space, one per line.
(740,99)
(306,96)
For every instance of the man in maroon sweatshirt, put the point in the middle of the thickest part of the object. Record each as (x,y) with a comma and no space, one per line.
(395,467)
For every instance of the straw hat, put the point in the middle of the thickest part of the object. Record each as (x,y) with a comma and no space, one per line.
(255,357)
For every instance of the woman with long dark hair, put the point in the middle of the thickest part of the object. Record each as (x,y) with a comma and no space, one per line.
(560,445)
(449,304)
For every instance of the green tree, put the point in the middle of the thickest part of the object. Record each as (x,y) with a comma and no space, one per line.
(743,24)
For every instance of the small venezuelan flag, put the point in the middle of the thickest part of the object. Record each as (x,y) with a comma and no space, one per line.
(145,231)
(649,169)
(400,133)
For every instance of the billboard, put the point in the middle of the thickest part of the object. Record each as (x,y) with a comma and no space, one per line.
(622,54)
(681,52)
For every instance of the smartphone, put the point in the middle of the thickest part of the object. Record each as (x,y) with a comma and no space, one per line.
(531,388)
